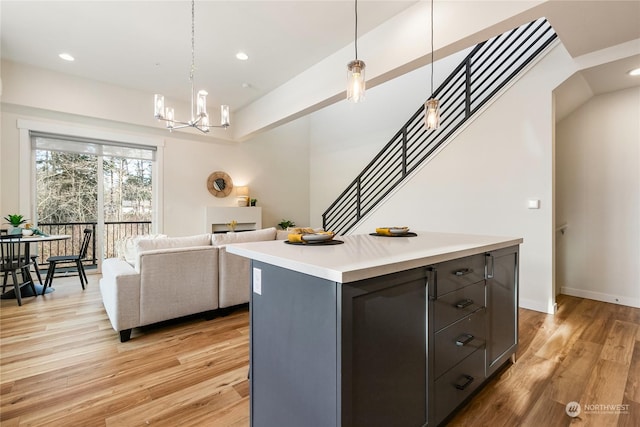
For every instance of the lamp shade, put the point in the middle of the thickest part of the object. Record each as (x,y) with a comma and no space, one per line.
(356,81)
(242,191)
(432,114)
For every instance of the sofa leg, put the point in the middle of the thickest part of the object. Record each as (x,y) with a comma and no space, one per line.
(223,312)
(125,335)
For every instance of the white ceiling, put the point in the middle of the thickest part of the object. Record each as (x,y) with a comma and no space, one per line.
(153,39)
(146,45)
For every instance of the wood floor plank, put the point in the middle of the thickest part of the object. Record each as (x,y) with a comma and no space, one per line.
(632,388)
(546,412)
(207,393)
(631,416)
(569,382)
(605,387)
(61,364)
(618,346)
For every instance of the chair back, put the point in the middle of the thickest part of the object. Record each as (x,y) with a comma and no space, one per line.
(12,253)
(85,242)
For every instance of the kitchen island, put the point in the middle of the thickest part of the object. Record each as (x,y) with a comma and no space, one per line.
(378,330)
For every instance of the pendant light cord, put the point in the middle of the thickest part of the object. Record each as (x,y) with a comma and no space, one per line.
(356,30)
(193,40)
(431,48)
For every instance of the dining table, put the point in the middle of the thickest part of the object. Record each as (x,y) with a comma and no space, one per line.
(29,241)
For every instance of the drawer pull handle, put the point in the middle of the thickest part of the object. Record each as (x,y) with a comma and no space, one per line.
(468,380)
(464,339)
(462,271)
(464,303)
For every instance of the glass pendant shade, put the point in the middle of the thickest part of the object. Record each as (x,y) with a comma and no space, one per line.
(204,122)
(169,117)
(356,80)
(432,114)
(224,116)
(159,106)
(202,103)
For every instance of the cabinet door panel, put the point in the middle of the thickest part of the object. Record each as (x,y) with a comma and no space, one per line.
(502,304)
(384,351)
(293,350)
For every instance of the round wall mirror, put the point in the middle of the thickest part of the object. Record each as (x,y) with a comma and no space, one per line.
(219,184)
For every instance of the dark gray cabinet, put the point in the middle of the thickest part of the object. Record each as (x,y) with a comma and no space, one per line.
(384,357)
(502,304)
(403,349)
(458,332)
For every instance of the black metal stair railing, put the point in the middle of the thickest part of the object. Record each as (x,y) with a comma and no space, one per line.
(489,67)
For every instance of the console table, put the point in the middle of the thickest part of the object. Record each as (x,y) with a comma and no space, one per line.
(378,330)
(248,218)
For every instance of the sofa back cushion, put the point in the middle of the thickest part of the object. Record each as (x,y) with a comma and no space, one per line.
(126,247)
(244,237)
(173,242)
(144,245)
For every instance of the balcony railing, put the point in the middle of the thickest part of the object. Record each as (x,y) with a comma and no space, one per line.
(114,231)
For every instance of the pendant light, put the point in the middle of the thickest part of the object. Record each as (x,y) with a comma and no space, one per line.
(199,116)
(432,106)
(355,71)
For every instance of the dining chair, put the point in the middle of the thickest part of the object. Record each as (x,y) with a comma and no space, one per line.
(13,258)
(70,259)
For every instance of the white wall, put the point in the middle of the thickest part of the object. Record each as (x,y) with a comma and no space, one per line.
(479,183)
(598,197)
(273,164)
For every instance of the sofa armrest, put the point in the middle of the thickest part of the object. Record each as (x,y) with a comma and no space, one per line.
(120,289)
(234,278)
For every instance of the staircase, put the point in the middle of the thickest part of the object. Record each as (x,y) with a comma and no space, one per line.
(489,67)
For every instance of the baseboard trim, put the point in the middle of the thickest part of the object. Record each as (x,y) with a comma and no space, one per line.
(530,304)
(600,296)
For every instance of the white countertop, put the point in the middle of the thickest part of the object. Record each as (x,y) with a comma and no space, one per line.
(363,256)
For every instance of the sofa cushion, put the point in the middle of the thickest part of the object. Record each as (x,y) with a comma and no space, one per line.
(243,237)
(126,247)
(144,245)
(173,242)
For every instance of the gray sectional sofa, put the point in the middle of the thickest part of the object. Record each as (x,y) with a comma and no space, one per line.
(169,278)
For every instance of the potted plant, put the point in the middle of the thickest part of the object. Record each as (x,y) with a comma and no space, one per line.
(286,223)
(16,220)
(253,202)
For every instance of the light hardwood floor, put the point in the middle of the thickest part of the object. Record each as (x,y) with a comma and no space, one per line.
(61,364)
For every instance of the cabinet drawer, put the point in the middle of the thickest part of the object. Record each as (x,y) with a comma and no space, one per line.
(458,304)
(456,385)
(458,273)
(458,341)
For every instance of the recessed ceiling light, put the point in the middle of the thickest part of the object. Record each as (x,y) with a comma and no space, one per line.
(242,56)
(67,57)
(635,72)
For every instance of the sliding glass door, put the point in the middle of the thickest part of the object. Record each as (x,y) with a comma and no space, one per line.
(102,185)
